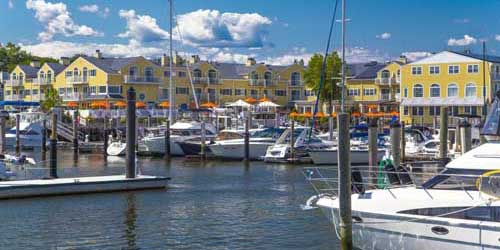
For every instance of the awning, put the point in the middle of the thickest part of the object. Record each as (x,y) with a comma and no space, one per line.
(100,97)
(446,101)
(19,103)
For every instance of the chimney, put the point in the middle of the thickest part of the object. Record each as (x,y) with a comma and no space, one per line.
(64,61)
(165,60)
(177,59)
(195,59)
(35,64)
(98,54)
(467,51)
(301,62)
(250,61)
(403,59)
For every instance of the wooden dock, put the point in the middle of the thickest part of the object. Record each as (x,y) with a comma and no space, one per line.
(79,185)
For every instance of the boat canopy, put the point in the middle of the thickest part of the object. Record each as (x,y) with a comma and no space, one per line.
(19,103)
(485,157)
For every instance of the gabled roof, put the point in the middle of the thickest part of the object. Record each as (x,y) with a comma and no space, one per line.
(237,70)
(489,58)
(56,67)
(370,71)
(111,65)
(447,57)
(29,72)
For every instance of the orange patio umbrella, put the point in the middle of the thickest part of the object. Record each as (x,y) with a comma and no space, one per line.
(394,113)
(356,114)
(72,105)
(208,105)
(264,99)
(164,104)
(250,100)
(120,104)
(99,105)
(333,114)
(293,114)
(307,115)
(140,105)
(319,114)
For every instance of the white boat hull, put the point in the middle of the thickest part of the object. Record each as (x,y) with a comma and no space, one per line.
(330,157)
(156,145)
(236,151)
(116,149)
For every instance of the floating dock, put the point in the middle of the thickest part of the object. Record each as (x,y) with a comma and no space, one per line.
(80,185)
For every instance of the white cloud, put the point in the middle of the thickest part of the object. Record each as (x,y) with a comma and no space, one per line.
(57,20)
(93,8)
(416,55)
(210,28)
(361,55)
(497,37)
(467,40)
(141,28)
(11,4)
(384,36)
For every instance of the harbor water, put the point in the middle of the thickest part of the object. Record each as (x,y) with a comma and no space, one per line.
(215,205)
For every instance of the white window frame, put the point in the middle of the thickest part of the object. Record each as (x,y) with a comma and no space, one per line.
(421,87)
(416,70)
(353,92)
(431,88)
(453,72)
(476,66)
(239,92)
(475,89)
(431,72)
(369,92)
(448,90)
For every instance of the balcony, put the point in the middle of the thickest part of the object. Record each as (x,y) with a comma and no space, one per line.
(14,83)
(205,80)
(77,80)
(261,82)
(42,81)
(13,97)
(133,79)
(72,97)
(397,97)
(495,76)
(386,80)
(295,83)
(385,97)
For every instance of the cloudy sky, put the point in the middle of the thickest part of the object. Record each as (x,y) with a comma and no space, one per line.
(274,31)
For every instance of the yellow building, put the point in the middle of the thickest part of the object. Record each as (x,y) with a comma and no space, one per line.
(451,79)
(21,82)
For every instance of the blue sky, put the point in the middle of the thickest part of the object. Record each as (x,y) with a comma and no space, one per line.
(274,31)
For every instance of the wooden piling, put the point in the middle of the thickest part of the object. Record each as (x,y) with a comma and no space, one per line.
(403,142)
(247,137)
(372,152)
(292,140)
(53,147)
(344,182)
(2,135)
(167,139)
(44,138)
(18,140)
(202,142)
(396,143)
(443,136)
(131,133)
(330,128)
(466,136)
(75,134)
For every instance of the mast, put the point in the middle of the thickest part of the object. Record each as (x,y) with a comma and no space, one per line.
(485,105)
(342,87)
(171,96)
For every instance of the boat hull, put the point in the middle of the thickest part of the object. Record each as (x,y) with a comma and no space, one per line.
(156,145)
(24,141)
(116,149)
(330,157)
(237,151)
(192,148)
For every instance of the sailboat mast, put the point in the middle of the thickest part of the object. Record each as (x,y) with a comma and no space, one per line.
(343,59)
(171,96)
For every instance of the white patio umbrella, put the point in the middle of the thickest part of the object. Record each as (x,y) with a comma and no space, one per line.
(240,103)
(268,104)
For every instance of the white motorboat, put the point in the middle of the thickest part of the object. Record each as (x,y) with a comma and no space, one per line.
(259,141)
(179,131)
(303,143)
(30,130)
(328,156)
(457,209)
(117,148)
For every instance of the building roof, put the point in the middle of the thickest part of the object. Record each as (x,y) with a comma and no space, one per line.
(111,65)
(370,71)
(56,67)
(489,58)
(29,72)
(237,70)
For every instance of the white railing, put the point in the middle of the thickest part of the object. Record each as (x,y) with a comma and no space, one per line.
(14,82)
(141,79)
(385,97)
(72,97)
(13,97)
(386,80)
(77,79)
(295,83)
(42,81)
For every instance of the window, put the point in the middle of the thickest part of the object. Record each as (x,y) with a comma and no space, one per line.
(453,111)
(473,68)
(416,70)
(69,74)
(467,110)
(280,92)
(7,92)
(62,91)
(406,110)
(435,90)
(473,111)
(295,79)
(452,90)
(434,70)
(470,90)
(49,76)
(369,92)
(35,92)
(132,71)
(114,89)
(353,92)
(42,74)
(181,73)
(75,72)
(385,74)
(226,92)
(309,93)
(453,69)
(254,92)
(418,90)
(14,76)
(434,110)
(405,92)
(417,111)
(240,92)
(69,91)
(27,92)
(102,89)
(92,72)
(181,91)
(295,95)
(166,73)
(464,213)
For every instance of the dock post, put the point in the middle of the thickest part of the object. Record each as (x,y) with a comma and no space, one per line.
(2,135)
(202,142)
(458,137)
(18,141)
(247,137)
(131,133)
(372,152)
(403,142)
(344,169)
(53,147)
(106,137)
(443,136)
(396,143)
(167,140)
(75,135)
(466,136)
(292,140)
(330,128)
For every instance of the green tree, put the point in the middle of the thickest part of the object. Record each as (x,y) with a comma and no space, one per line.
(12,55)
(52,99)
(312,76)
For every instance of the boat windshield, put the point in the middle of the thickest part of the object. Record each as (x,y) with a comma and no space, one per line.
(491,126)
(268,133)
(454,179)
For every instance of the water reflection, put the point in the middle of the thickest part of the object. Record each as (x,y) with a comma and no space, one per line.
(130,222)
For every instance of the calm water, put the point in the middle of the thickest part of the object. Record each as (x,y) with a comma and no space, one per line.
(218,205)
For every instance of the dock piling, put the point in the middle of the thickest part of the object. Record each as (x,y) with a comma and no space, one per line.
(202,142)
(131,133)
(466,136)
(75,135)
(247,137)
(2,135)
(167,140)
(372,152)
(18,141)
(403,142)
(330,128)
(443,136)
(53,147)
(292,140)
(396,143)
(44,138)
(344,170)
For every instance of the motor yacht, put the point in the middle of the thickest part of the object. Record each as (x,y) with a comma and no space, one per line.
(30,130)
